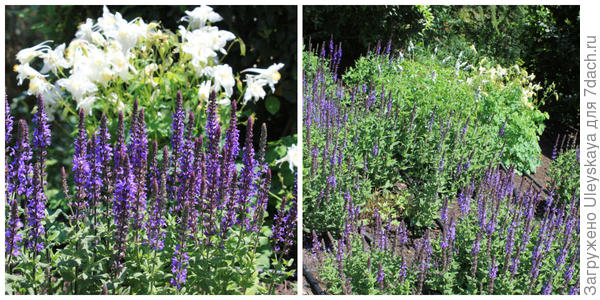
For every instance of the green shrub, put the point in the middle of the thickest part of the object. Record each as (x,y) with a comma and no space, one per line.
(452,85)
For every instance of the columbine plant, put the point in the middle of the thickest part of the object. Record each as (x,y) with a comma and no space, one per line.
(186,219)
(112,61)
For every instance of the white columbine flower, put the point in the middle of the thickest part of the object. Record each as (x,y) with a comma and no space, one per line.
(411,46)
(89,32)
(114,98)
(84,30)
(501,71)
(79,51)
(119,63)
(52,95)
(127,34)
(224,101)
(197,44)
(78,85)
(293,157)
(223,76)
(204,91)
(203,44)
(217,38)
(87,103)
(93,64)
(38,85)
(198,17)
(472,47)
(270,75)
(149,69)
(24,71)
(53,59)
(254,89)
(108,22)
(28,54)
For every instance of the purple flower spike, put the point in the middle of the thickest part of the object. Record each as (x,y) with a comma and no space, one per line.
(316,249)
(139,164)
(22,163)
(9,151)
(41,134)
(156,221)
(555,148)
(22,167)
(179,265)
(177,132)
(8,122)
(13,239)
(284,227)
(81,170)
(36,209)
(380,276)
(212,153)
(125,191)
(501,132)
(547,289)
(230,152)
(248,176)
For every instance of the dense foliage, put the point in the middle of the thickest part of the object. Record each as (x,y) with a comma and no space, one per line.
(189,219)
(403,124)
(540,38)
(505,97)
(405,190)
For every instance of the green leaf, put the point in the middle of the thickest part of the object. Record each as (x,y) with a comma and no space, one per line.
(272,104)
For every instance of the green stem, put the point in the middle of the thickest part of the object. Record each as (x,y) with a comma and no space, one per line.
(274,196)
(152,272)
(239,237)
(74,285)
(228,48)
(48,261)
(34,268)
(272,284)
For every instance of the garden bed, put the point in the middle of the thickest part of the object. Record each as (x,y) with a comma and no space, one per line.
(435,192)
(313,284)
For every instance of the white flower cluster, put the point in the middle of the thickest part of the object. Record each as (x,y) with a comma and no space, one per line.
(204,43)
(102,52)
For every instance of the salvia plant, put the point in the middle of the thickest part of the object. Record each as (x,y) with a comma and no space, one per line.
(495,238)
(406,198)
(360,139)
(189,218)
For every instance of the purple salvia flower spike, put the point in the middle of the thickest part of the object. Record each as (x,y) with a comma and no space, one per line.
(22,167)
(125,193)
(139,165)
(81,170)
(9,174)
